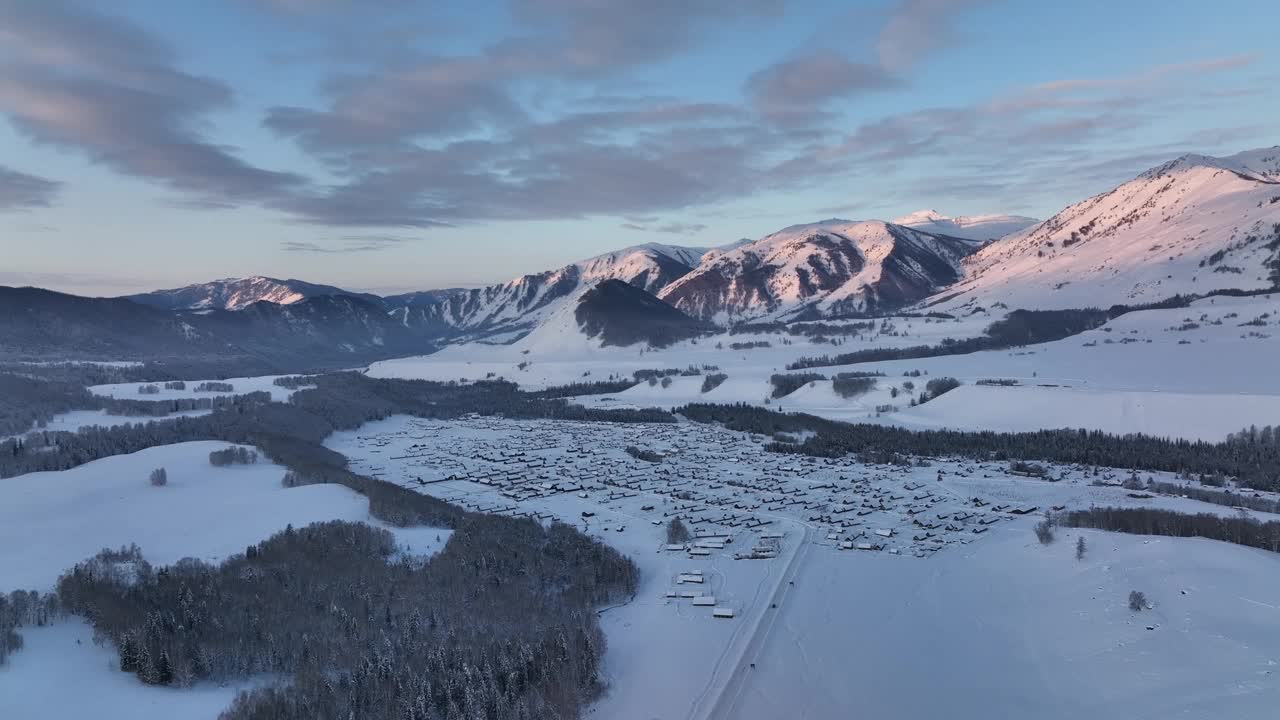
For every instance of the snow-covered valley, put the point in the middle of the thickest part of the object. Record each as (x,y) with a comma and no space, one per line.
(812,572)
(1159,372)
(953,608)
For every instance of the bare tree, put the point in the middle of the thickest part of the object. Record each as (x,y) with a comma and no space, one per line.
(1080,548)
(677,532)
(159,477)
(1137,600)
(1044,532)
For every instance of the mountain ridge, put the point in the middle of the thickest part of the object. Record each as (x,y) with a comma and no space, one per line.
(1192,225)
(325,331)
(828,267)
(239,293)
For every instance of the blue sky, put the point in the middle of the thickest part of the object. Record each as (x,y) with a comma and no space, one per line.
(394,145)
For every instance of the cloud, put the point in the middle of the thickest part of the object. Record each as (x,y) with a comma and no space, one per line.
(803,83)
(841,209)
(314,7)
(917,27)
(1034,145)
(19,191)
(602,35)
(1045,117)
(1147,77)
(631,160)
(430,97)
(551,121)
(671,228)
(795,89)
(69,280)
(348,244)
(74,78)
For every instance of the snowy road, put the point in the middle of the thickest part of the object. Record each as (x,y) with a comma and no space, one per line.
(726,700)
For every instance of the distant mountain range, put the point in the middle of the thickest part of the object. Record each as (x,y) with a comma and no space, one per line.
(318,332)
(1193,225)
(238,294)
(983,228)
(515,307)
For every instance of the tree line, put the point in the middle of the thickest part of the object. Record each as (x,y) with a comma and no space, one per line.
(1016,329)
(1240,530)
(1255,465)
(28,402)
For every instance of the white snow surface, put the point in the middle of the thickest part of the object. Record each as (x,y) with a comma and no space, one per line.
(1147,240)
(1008,628)
(971,620)
(240,386)
(77,420)
(49,521)
(970,227)
(558,353)
(1153,371)
(60,674)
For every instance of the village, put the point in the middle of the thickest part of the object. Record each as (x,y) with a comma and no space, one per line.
(738,502)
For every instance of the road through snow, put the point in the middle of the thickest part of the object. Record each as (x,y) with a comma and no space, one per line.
(721,695)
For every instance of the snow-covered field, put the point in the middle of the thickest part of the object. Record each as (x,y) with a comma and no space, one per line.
(1198,372)
(240,386)
(1181,415)
(960,602)
(60,673)
(77,420)
(50,521)
(558,354)
(1007,628)
(205,512)
(952,609)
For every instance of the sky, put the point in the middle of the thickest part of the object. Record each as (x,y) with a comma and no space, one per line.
(393,145)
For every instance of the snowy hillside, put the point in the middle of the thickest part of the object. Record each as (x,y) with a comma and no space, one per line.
(1192,225)
(238,293)
(624,315)
(823,268)
(970,227)
(523,303)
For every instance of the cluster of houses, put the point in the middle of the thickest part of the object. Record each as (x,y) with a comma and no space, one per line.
(730,493)
(690,586)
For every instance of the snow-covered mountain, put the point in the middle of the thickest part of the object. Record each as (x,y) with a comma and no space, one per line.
(240,293)
(324,331)
(830,267)
(523,303)
(969,227)
(623,315)
(1192,225)
(609,314)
